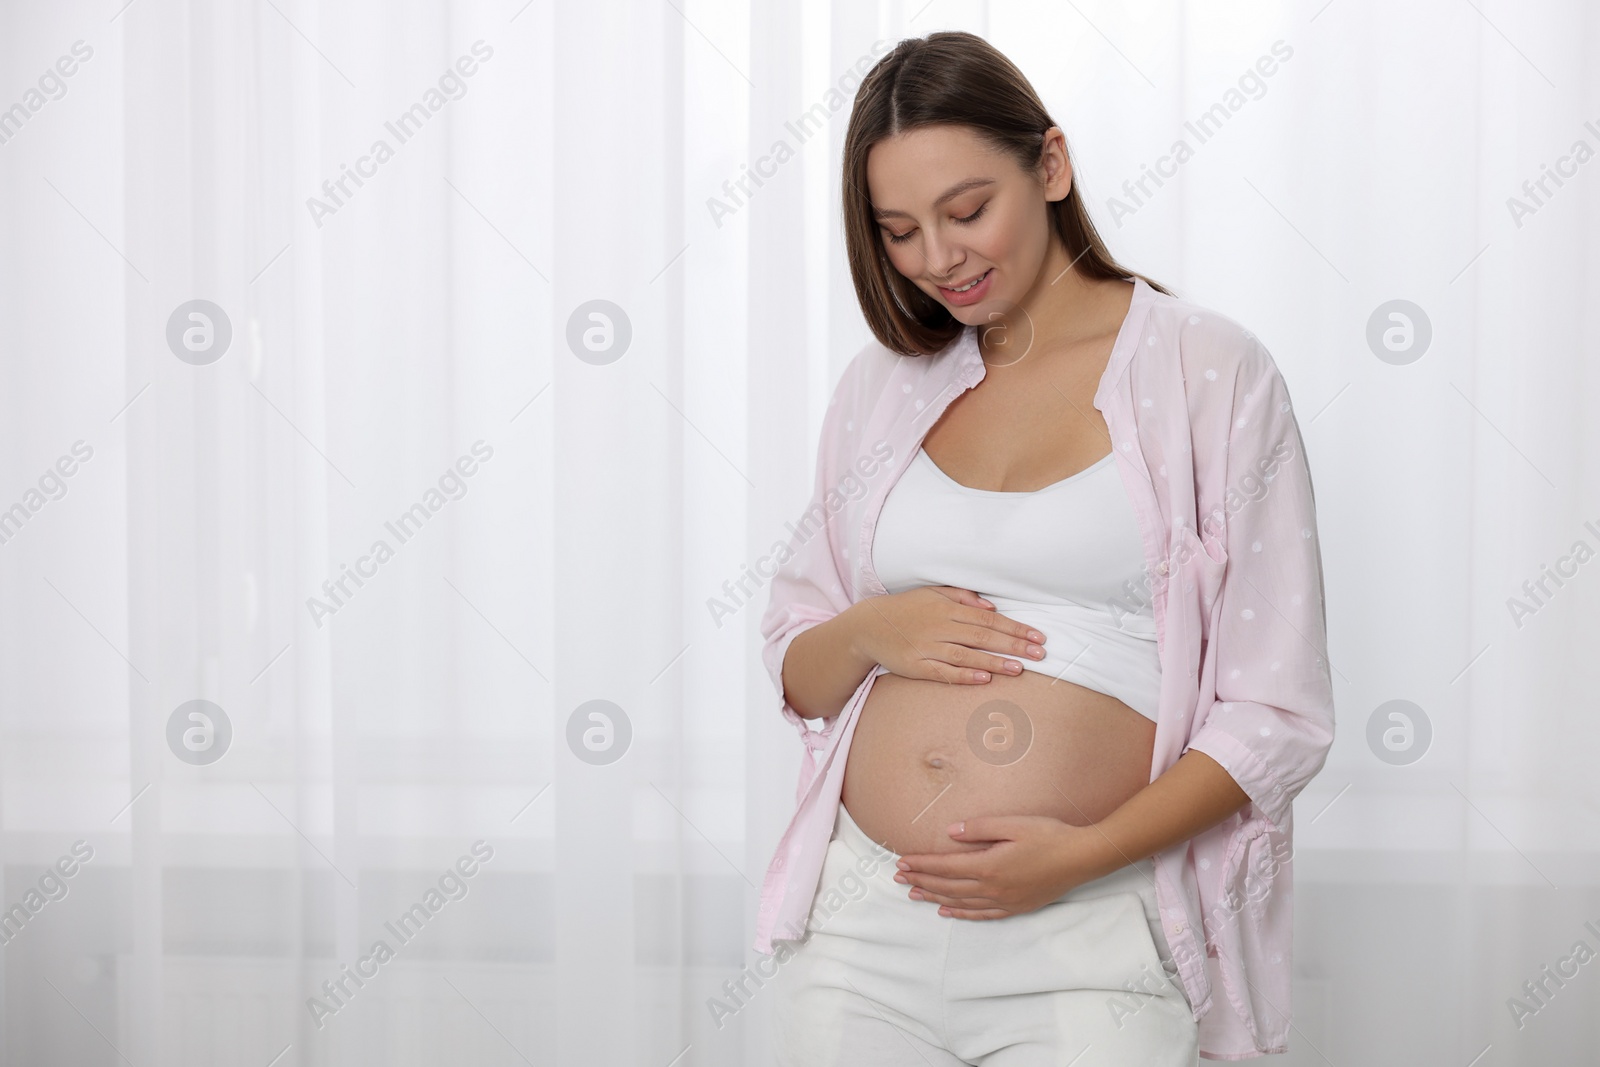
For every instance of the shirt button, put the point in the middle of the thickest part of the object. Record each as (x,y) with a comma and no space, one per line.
(1177,928)
(1161,568)
(777,864)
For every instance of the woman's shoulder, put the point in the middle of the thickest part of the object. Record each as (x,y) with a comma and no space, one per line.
(868,374)
(869,369)
(1207,342)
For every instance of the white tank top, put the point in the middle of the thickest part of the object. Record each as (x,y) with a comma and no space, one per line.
(1065,559)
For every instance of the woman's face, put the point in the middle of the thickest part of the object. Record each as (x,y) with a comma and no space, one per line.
(952,211)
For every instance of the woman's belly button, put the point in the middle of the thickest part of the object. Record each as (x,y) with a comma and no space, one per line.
(925,754)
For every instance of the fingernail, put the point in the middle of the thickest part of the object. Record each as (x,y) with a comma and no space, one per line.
(1035,635)
(902,864)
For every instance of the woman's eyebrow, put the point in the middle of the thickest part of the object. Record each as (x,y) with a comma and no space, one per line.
(949,194)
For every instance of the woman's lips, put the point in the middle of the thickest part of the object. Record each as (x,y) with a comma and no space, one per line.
(970,296)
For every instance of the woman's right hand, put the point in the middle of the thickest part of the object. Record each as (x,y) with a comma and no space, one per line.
(943,634)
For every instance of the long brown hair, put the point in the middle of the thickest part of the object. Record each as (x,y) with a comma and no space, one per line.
(959,79)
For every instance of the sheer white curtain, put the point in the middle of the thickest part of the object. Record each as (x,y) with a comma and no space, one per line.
(556,351)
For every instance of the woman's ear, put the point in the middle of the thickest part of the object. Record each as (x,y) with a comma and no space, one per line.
(1055,166)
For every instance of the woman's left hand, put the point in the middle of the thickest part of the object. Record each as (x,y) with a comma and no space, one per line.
(1033,860)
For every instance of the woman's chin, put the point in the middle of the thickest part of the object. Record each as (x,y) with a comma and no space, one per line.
(970,314)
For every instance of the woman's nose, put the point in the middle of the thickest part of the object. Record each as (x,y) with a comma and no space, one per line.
(943,259)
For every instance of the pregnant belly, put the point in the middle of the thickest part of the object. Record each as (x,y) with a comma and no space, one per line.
(926,753)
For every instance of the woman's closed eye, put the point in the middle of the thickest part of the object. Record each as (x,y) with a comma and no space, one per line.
(897,238)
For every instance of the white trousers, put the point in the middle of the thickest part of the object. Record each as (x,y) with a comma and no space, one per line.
(882,980)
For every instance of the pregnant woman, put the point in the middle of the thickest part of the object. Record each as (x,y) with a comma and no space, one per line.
(1052,629)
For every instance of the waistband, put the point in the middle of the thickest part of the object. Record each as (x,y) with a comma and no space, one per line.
(1138,877)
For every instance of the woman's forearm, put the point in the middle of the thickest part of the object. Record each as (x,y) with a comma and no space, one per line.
(1191,797)
(824,665)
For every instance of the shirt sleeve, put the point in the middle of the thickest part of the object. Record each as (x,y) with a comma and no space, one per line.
(1272,723)
(810,586)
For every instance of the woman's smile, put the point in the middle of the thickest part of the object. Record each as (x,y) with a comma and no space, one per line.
(970,291)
